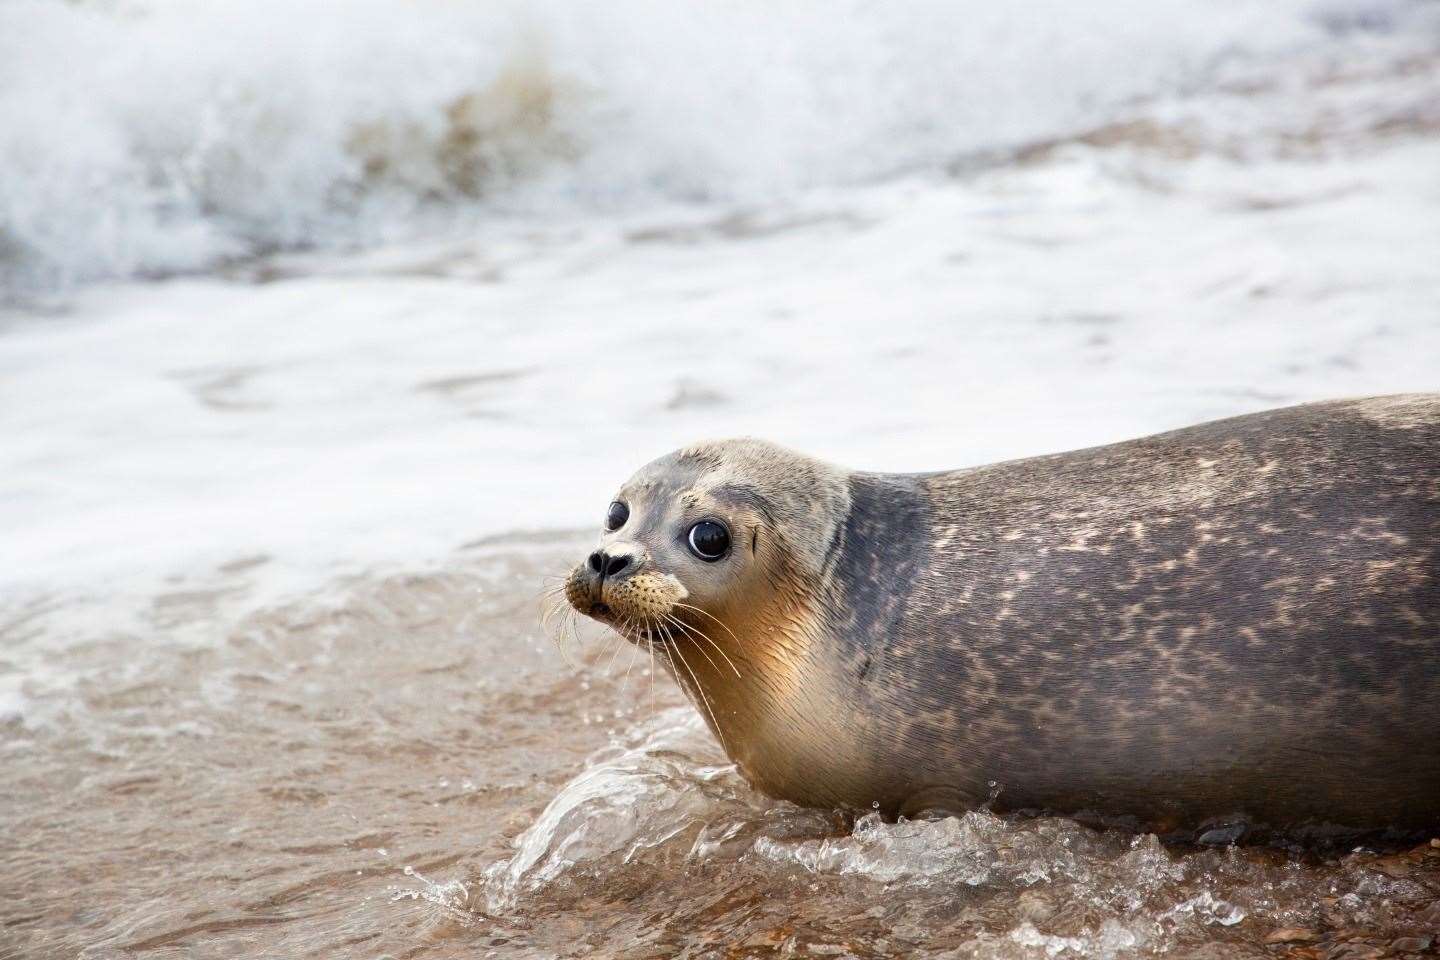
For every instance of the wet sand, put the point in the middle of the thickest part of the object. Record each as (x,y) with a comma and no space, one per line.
(405,767)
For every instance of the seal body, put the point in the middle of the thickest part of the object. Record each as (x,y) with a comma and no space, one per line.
(1237,622)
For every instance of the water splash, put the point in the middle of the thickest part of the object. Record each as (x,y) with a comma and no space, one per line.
(452,895)
(957,850)
(183,134)
(663,789)
(1111,940)
(658,826)
(1207,908)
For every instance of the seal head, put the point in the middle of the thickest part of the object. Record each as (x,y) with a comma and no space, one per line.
(711,559)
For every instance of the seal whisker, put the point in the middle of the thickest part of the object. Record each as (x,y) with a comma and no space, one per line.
(594,660)
(552,601)
(706,613)
(620,637)
(689,628)
(698,689)
(553,591)
(621,633)
(650,646)
(553,605)
(711,641)
(556,596)
(569,623)
(703,651)
(634,652)
(572,622)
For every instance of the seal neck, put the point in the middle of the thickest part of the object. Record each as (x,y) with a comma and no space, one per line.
(884,548)
(795,720)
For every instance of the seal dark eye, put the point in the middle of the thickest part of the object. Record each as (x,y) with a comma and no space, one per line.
(617,516)
(709,540)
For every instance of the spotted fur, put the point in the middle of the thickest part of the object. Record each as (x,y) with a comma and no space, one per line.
(1238,621)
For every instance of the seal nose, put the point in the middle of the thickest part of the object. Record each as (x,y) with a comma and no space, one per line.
(607,565)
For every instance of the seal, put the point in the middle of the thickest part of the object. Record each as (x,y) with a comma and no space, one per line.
(1233,626)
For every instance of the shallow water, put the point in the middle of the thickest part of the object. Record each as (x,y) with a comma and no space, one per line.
(404,767)
(265,794)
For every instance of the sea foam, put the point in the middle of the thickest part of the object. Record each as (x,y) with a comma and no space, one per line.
(143,137)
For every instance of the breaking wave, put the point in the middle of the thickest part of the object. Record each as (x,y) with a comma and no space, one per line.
(142,137)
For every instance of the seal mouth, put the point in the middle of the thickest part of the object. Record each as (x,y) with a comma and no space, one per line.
(599,609)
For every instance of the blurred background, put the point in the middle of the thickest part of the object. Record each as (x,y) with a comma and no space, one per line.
(299,298)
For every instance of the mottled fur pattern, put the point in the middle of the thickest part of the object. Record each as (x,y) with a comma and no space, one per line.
(1238,621)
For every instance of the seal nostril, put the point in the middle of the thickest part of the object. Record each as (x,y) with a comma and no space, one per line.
(597,561)
(615,565)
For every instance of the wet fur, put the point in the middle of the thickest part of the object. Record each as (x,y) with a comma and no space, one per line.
(1234,622)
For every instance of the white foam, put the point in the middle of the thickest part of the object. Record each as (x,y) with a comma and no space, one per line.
(354,421)
(170,135)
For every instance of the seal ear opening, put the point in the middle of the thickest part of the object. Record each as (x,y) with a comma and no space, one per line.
(754,538)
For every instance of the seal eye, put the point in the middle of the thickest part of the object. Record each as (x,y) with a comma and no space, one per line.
(617,516)
(709,540)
